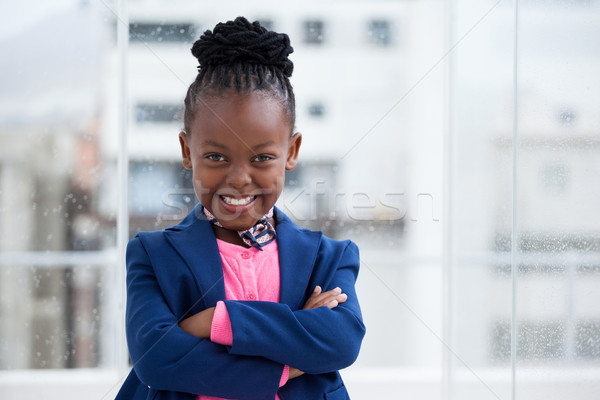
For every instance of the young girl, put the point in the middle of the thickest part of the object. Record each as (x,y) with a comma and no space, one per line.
(236,301)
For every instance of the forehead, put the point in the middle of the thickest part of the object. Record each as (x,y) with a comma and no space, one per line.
(233,119)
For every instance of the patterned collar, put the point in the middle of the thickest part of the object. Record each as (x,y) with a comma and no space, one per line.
(260,234)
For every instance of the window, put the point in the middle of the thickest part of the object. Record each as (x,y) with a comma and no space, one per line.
(555,178)
(566,117)
(501,283)
(587,341)
(314,198)
(147,112)
(314,31)
(267,23)
(379,32)
(161,32)
(161,194)
(316,110)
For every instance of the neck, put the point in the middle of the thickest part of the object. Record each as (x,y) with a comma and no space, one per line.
(228,236)
(264,230)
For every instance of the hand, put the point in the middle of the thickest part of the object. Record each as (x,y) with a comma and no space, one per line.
(199,324)
(332,298)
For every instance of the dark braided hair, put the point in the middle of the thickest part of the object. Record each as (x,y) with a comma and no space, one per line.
(242,56)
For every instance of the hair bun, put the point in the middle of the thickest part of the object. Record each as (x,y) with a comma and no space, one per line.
(243,42)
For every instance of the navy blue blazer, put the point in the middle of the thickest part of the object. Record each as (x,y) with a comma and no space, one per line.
(175,273)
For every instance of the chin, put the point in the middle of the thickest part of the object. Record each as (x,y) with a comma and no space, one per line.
(237,227)
(238,221)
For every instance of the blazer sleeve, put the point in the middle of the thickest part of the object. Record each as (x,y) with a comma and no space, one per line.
(315,341)
(166,358)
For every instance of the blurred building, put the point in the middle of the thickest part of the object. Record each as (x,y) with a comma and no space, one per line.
(372,104)
(353,63)
(341,92)
(54,243)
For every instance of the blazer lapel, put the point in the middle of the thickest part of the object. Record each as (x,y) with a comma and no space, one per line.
(195,242)
(297,255)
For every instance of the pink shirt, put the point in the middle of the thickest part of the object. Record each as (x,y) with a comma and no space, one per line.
(249,274)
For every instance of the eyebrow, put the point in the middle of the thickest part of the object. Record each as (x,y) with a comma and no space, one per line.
(222,146)
(266,144)
(215,144)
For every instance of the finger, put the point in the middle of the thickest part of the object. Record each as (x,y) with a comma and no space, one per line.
(332,292)
(341,298)
(337,300)
(326,297)
(323,298)
(319,299)
(332,301)
(314,298)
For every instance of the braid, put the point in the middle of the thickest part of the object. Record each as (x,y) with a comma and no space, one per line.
(242,56)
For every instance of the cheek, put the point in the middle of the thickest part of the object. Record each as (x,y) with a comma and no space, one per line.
(200,189)
(277,182)
(202,183)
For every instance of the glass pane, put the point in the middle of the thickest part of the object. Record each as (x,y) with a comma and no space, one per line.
(57,212)
(369,165)
(481,105)
(371,95)
(557,194)
(160,68)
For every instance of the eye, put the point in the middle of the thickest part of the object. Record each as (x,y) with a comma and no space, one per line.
(215,157)
(262,158)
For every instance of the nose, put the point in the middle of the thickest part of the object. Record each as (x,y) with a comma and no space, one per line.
(238,176)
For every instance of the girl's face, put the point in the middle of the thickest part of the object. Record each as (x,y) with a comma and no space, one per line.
(239,148)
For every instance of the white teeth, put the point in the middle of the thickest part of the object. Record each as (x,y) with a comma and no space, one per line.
(237,202)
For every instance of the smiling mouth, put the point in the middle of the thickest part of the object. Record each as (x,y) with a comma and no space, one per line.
(243,201)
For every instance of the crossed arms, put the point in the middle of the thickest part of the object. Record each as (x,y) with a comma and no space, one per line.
(176,355)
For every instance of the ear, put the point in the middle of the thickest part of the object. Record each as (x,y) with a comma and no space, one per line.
(293,150)
(185,150)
